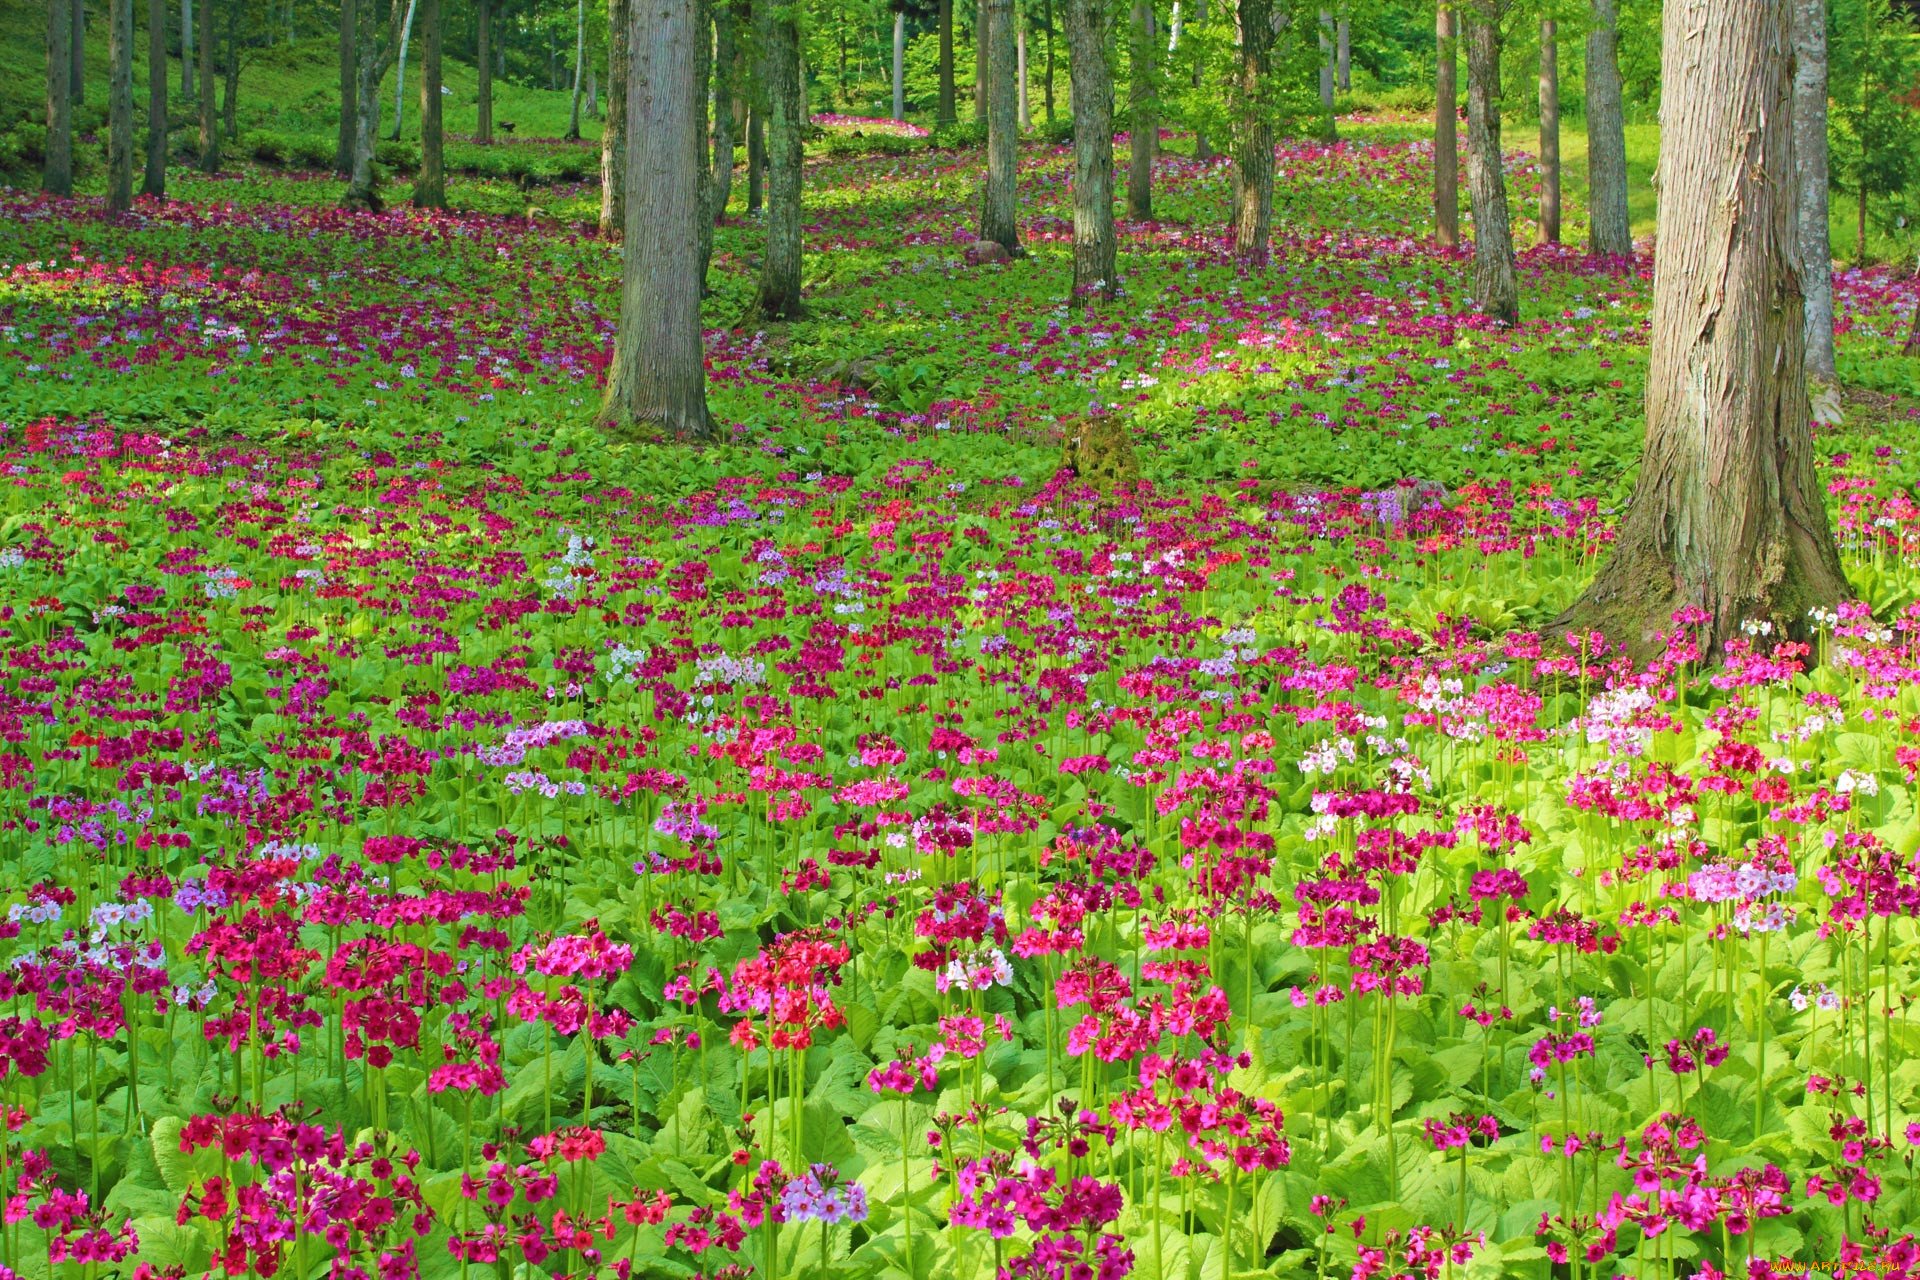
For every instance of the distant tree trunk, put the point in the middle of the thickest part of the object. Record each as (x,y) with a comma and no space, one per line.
(1810,159)
(1446,130)
(724,43)
(779,293)
(209,121)
(1090,107)
(593,92)
(613,133)
(400,72)
(658,377)
(120,105)
(1202,145)
(899,63)
(756,156)
(1343,54)
(1327,69)
(1494,285)
(186,48)
(997,208)
(230,74)
(1253,136)
(1610,233)
(430,184)
(982,35)
(343,153)
(77,51)
(579,66)
(1549,132)
(1728,516)
(703,72)
(1143,118)
(483,66)
(1046,74)
(56,178)
(1020,66)
(946,113)
(155,184)
(376,46)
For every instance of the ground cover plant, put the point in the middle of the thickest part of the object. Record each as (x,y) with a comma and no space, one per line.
(439,841)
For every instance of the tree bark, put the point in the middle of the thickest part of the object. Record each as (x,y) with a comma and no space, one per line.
(343,152)
(1327,69)
(1090,107)
(756,157)
(778,297)
(155,183)
(376,46)
(209,121)
(724,43)
(1810,160)
(946,114)
(702,73)
(1202,145)
(1728,516)
(1020,66)
(1253,136)
(1495,287)
(1343,54)
(400,72)
(899,63)
(120,105)
(1549,132)
(579,66)
(613,132)
(483,66)
(1143,117)
(186,49)
(1610,233)
(430,184)
(56,177)
(998,218)
(1446,129)
(658,378)
(982,42)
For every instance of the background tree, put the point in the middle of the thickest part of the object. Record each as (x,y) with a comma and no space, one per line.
(998,219)
(56,177)
(778,297)
(1810,162)
(1089,27)
(343,153)
(186,49)
(946,113)
(120,105)
(1253,135)
(725,92)
(658,379)
(579,66)
(1143,113)
(77,51)
(1446,131)
(1549,130)
(376,44)
(430,184)
(1609,231)
(400,71)
(209,121)
(155,183)
(1728,515)
(1495,288)
(483,67)
(613,133)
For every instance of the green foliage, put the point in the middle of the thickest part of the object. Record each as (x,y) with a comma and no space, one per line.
(1874,126)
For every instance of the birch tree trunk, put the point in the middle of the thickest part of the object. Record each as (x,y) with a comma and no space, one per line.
(120,105)
(1610,233)
(1549,132)
(899,63)
(56,178)
(400,73)
(998,218)
(155,183)
(613,132)
(430,184)
(946,113)
(778,297)
(1810,160)
(1446,129)
(209,121)
(579,66)
(1495,288)
(1143,119)
(1090,107)
(483,66)
(1253,136)
(1728,516)
(349,86)
(657,382)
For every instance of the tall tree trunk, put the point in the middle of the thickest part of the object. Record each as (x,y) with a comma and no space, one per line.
(343,153)
(724,100)
(1090,107)
(1253,136)
(1549,132)
(1610,234)
(230,74)
(997,207)
(209,121)
(1728,516)
(375,48)
(1202,145)
(120,105)
(658,382)
(756,154)
(579,66)
(982,42)
(155,184)
(1810,160)
(1343,54)
(613,134)
(1046,73)
(946,113)
(430,184)
(1495,287)
(702,73)
(1020,66)
(77,52)
(1446,129)
(899,63)
(1327,69)
(1143,117)
(400,73)
(57,177)
(779,293)
(593,92)
(483,66)
(186,49)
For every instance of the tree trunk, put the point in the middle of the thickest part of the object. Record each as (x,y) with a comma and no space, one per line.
(756,157)
(982,42)
(997,206)
(1446,130)
(1343,54)
(209,121)
(658,377)
(400,73)
(155,184)
(1143,117)
(1046,72)
(1610,234)
(1549,132)
(724,43)
(430,184)
(376,46)
(702,73)
(343,152)
(120,105)
(186,48)
(1202,145)
(899,63)
(613,133)
(483,66)
(779,293)
(946,113)
(593,92)
(230,74)
(77,52)
(1020,66)
(1810,160)
(1253,136)
(579,66)
(1728,516)
(1326,62)
(1090,107)
(1494,285)
(56,178)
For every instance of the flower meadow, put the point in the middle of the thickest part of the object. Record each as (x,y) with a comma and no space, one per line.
(439,842)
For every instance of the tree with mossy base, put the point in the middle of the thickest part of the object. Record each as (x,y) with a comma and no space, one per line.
(1729,516)
(1100,452)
